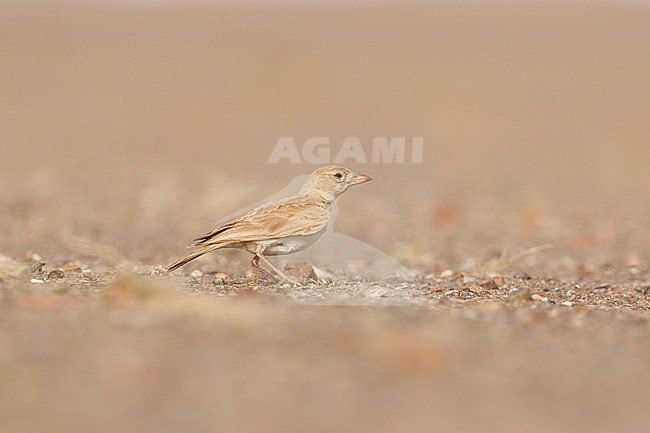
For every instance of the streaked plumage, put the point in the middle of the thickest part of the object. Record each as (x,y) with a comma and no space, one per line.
(284,226)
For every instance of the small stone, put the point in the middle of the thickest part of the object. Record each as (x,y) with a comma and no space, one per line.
(72,268)
(522,276)
(539,296)
(490,285)
(300,270)
(157,271)
(467,293)
(56,274)
(566,303)
(220,276)
(196,274)
(36,281)
(522,294)
(601,288)
(36,267)
(468,279)
(646,291)
(475,289)
(447,273)
(207,279)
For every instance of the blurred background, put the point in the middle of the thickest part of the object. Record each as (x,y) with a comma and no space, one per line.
(138,124)
(129,127)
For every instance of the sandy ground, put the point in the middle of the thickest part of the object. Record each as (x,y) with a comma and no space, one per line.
(501,285)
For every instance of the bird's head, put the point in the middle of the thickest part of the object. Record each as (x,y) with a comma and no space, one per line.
(331,181)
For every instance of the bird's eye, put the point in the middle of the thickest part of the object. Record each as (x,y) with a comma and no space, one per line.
(338,175)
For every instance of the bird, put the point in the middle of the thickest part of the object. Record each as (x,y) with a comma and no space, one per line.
(283,226)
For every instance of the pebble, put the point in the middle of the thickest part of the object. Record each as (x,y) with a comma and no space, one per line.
(602,287)
(36,281)
(36,267)
(466,294)
(490,285)
(72,268)
(301,270)
(208,279)
(157,271)
(539,297)
(196,274)
(522,294)
(56,274)
(447,273)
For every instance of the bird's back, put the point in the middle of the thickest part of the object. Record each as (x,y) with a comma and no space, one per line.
(299,215)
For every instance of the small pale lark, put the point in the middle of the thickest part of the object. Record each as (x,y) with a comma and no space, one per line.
(283,226)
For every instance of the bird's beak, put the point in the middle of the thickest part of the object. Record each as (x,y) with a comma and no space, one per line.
(360,178)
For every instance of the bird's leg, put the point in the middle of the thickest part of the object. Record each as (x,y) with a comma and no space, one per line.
(277,271)
(256,265)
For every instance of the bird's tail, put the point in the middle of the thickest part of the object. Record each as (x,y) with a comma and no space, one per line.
(188,258)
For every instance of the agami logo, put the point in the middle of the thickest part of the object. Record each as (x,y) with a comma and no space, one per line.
(318,150)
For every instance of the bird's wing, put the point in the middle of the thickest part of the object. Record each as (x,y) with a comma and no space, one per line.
(290,217)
